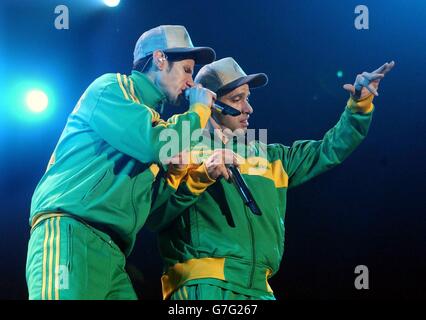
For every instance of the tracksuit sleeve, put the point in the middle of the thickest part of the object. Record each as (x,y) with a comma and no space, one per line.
(306,159)
(137,130)
(175,190)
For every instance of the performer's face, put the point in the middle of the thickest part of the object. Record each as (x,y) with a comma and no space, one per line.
(237,98)
(175,78)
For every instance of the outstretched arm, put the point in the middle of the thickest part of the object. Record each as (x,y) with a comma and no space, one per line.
(308,158)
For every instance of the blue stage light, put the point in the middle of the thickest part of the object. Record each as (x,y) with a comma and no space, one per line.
(30,100)
(112,3)
(36,101)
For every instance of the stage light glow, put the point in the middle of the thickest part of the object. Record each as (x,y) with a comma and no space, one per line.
(30,100)
(112,3)
(36,101)
(339,74)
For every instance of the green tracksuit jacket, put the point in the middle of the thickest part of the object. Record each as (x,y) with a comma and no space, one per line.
(215,239)
(103,166)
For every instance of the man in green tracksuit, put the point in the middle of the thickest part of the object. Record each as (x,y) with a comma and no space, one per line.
(213,246)
(96,192)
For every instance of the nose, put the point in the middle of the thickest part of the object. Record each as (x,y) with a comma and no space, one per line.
(190,82)
(247,108)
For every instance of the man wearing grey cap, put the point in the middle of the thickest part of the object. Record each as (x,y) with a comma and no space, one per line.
(216,247)
(95,194)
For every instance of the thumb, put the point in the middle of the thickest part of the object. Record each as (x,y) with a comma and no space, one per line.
(350,88)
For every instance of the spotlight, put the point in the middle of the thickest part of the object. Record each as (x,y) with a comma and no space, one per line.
(37,101)
(339,74)
(112,3)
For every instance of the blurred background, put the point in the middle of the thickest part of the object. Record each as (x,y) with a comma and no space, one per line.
(368,211)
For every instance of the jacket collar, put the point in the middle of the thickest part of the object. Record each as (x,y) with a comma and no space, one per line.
(147,92)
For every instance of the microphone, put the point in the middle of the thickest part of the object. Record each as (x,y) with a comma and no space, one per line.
(244,190)
(219,106)
(225,109)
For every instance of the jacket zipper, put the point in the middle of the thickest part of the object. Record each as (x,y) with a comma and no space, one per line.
(253,250)
(69,247)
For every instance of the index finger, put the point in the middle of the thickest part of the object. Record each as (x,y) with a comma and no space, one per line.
(235,162)
(380,69)
(385,68)
(389,67)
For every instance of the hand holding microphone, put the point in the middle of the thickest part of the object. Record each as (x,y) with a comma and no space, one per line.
(225,163)
(198,94)
(217,164)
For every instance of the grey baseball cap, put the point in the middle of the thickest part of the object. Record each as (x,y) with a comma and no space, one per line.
(225,75)
(174,41)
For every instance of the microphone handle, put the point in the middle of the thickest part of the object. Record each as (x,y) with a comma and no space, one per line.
(226,109)
(244,190)
(219,106)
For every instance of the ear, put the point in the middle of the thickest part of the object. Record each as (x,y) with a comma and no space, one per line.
(159,59)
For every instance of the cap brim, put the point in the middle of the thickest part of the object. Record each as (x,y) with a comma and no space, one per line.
(201,55)
(256,80)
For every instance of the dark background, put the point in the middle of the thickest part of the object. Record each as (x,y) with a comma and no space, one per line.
(368,211)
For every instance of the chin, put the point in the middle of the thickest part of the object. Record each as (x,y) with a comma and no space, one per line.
(176,101)
(240,131)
